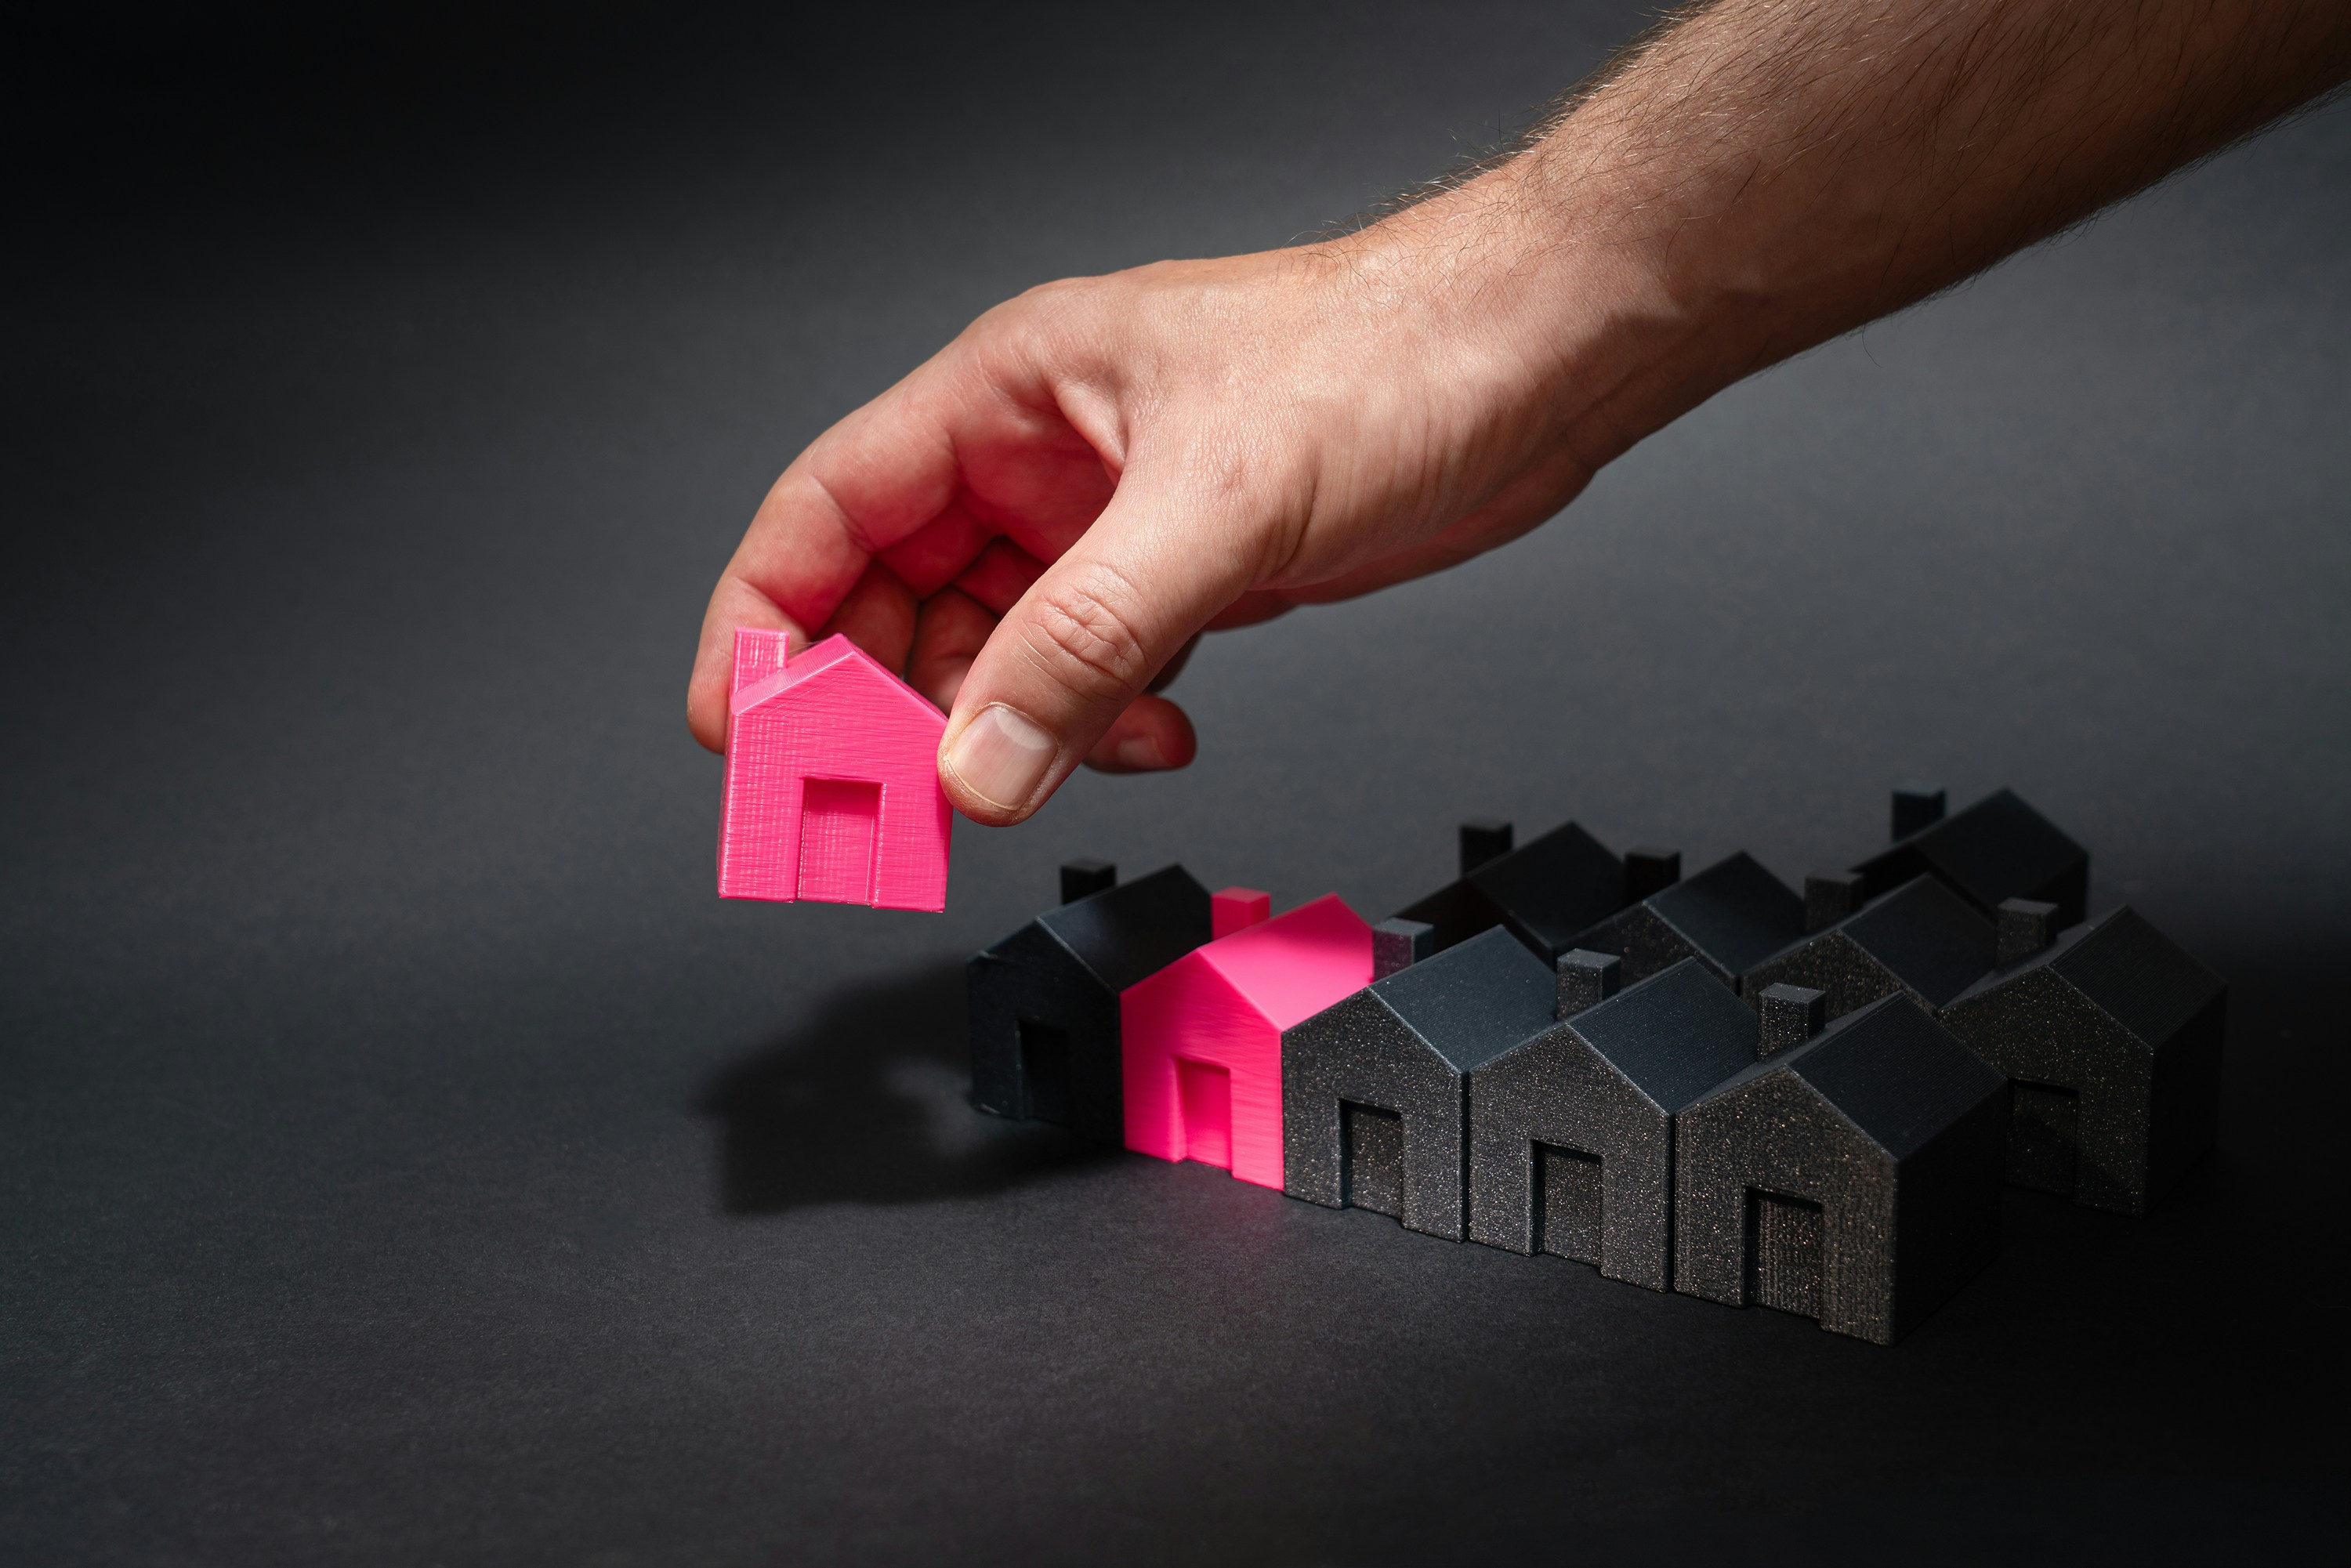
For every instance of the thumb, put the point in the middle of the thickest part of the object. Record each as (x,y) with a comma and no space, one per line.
(1084,642)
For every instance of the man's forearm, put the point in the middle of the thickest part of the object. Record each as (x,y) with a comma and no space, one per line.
(1769,174)
(1203,444)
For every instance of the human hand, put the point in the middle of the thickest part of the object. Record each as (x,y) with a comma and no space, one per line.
(1035,523)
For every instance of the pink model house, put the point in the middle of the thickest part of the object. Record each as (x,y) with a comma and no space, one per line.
(832,783)
(1201,1039)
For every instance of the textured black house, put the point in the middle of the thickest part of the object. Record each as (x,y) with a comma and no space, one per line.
(1544,893)
(2111,1042)
(1922,941)
(1373,1088)
(1044,1001)
(1854,1179)
(1729,918)
(1999,848)
(1572,1133)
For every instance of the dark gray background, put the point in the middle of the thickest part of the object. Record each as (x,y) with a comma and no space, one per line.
(404,1156)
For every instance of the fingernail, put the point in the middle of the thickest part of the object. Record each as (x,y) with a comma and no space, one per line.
(1001,757)
(1141,753)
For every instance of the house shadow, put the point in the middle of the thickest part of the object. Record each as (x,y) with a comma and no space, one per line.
(869,1101)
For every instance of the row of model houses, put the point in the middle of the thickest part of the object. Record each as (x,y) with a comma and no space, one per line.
(1713,1084)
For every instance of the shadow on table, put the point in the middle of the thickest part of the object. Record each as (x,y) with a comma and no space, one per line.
(869,1101)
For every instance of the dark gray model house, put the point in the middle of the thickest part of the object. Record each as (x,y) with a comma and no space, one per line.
(1374,1100)
(1044,1001)
(1572,1133)
(1999,848)
(1854,1179)
(1921,941)
(2111,1042)
(1729,918)
(1543,893)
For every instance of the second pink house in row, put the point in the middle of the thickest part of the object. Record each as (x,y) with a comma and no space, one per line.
(1201,1040)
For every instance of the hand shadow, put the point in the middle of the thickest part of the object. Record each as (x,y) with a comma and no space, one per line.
(869,1102)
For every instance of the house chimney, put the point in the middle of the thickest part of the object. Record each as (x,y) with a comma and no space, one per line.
(1082,879)
(1585,979)
(1235,909)
(758,654)
(1917,807)
(2026,926)
(1829,897)
(1399,945)
(1649,870)
(1792,1015)
(1483,839)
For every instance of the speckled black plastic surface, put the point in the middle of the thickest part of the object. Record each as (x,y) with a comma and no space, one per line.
(2117,1017)
(1405,1045)
(1790,1015)
(1887,1124)
(1998,848)
(1730,916)
(1543,893)
(1921,941)
(1605,1083)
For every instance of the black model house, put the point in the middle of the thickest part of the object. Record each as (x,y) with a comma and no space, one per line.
(1044,1001)
(1373,1105)
(1854,1179)
(1572,1133)
(2111,1042)
(1544,893)
(1999,848)
(1729,918)
(1921,941)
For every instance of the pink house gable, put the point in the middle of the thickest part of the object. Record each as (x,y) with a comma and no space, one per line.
(1201,1040)
(833,786)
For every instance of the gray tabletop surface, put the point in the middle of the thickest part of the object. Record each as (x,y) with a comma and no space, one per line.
(406,1157)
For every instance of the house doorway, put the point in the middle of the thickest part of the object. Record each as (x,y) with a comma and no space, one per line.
(1784,1253)
(1045,1071)
(2043,1131)
(1567,1204)
(1371,1159)
(839,818)
(1204,1093)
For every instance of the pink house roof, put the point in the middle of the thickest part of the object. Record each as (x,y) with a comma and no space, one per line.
(1293,965)
(835,653)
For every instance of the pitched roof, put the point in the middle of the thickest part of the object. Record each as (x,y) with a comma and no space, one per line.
(1998,848)
(1137,929)
(1473,1002)
(1734,911)
(1547,890)
(1927,935)
(1893,1073)
(1296,964)
(2138,974)
(2124,965)
(1676,1035)
(835,652)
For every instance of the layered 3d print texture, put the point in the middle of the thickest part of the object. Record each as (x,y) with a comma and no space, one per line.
(1202,1039)
(1719,1086)
(832,788)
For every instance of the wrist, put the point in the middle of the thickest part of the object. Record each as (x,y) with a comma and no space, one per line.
(1568,301)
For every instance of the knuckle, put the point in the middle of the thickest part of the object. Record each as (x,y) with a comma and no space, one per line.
(1085,636)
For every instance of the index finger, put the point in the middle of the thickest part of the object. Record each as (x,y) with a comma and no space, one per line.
(864,484)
